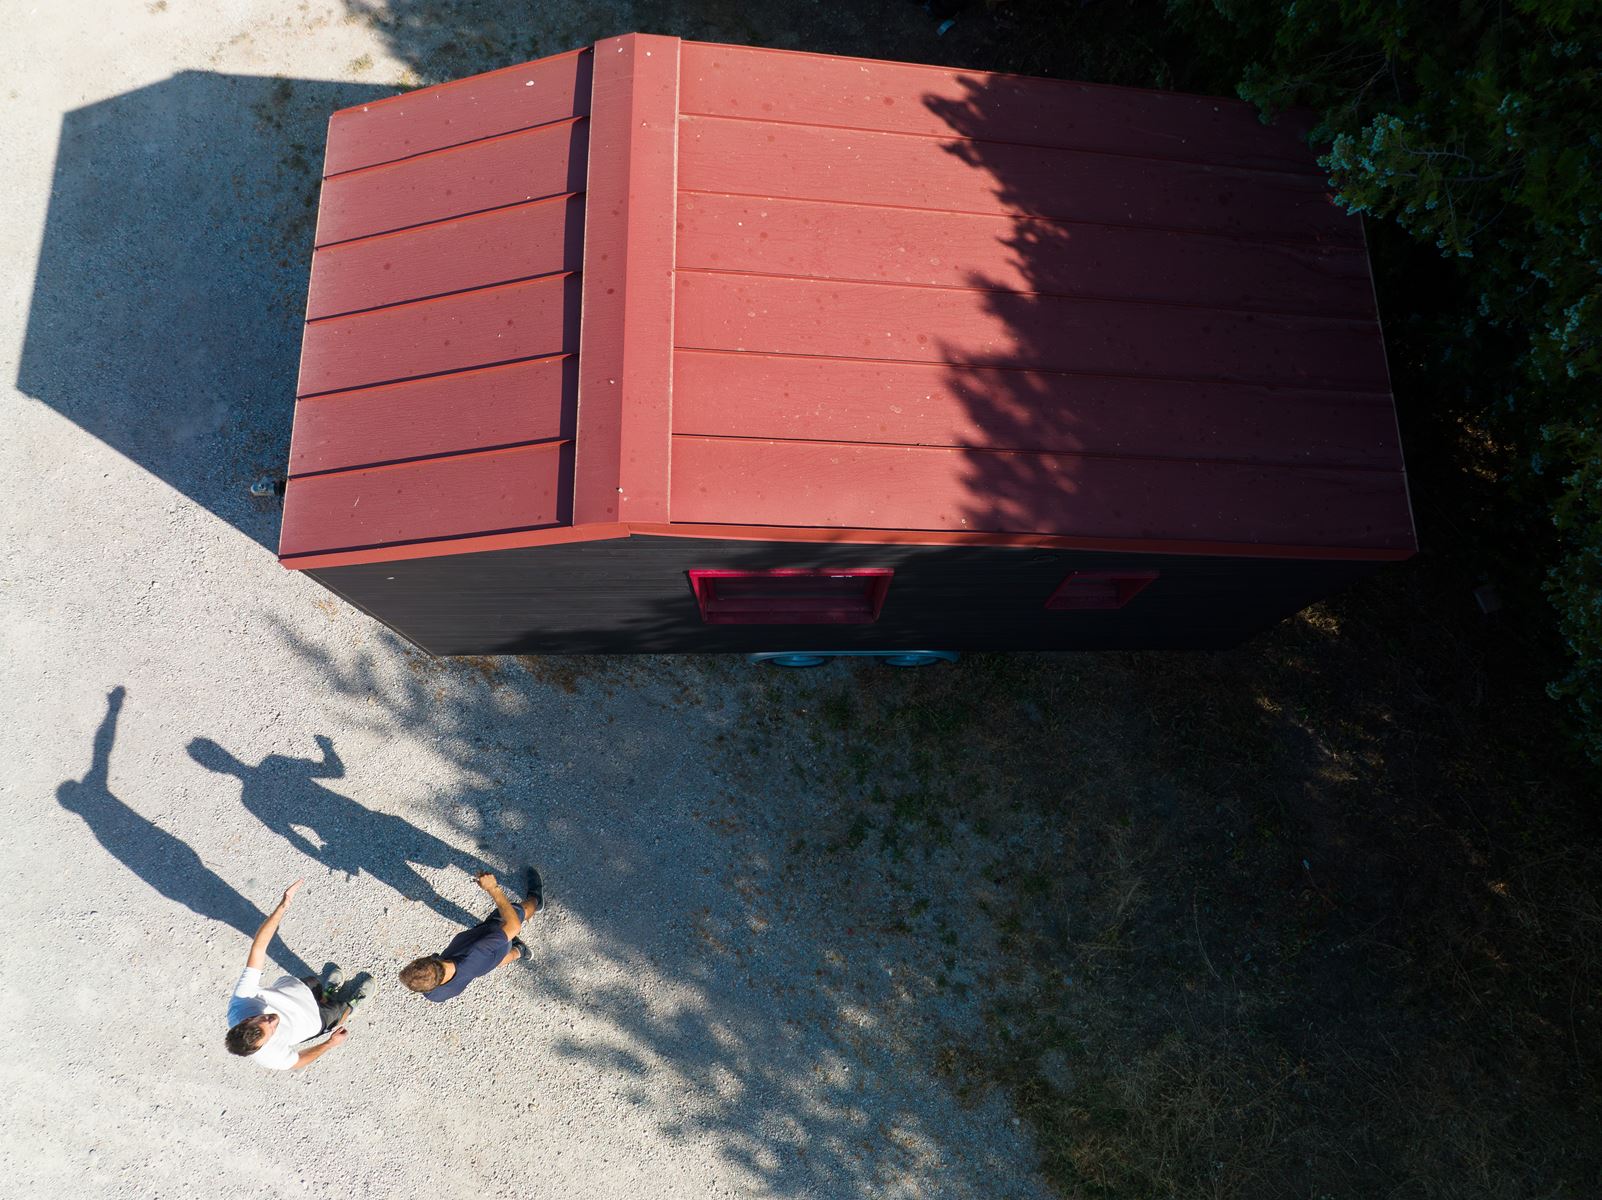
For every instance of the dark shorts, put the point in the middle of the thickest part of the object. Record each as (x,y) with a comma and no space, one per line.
(330,1009)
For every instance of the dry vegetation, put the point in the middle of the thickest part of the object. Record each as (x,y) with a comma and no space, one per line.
(1316,917)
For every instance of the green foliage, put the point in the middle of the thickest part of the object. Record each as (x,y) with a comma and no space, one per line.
(1575,582)
(1477,129)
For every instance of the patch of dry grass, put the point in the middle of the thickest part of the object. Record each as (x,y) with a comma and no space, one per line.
(1316,917)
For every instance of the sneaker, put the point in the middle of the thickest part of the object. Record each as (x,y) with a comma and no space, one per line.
(360,989)
(535,890)
(332,980)
(523,952)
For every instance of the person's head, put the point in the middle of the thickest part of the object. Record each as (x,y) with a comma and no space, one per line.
(424,974)
(251,1034)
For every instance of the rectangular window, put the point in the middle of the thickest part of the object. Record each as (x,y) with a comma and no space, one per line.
(1099,589)
(852,596)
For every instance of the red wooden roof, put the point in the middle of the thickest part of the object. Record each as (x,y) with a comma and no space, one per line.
(679,288)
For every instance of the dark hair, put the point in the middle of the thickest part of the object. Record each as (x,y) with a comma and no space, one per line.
(424,974)
(245,1038)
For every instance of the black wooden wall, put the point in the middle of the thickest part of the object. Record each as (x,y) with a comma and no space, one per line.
(631,595)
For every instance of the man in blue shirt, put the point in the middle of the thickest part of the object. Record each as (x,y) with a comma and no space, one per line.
(480,949)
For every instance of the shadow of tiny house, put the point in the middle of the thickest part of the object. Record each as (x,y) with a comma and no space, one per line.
(166,303)
(671,346)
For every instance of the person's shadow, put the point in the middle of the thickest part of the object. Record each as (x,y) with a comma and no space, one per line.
(163,861)
(282,793)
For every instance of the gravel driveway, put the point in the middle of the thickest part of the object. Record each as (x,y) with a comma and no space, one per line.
(688,1025)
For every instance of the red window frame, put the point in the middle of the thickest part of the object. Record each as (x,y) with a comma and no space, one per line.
(791,596)
(1082,591)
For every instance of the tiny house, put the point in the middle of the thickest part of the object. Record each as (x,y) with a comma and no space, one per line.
(669,346)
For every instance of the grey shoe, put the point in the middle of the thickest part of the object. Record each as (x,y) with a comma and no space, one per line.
(535,890)
(523,952)
(360,989)
(331,981)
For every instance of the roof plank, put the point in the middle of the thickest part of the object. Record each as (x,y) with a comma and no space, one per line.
(897,487)
(448,414)
(858,93)
(770,315)
(934,404)
(451,183)
(756,158)
(431,337)
(507,244)
(846,535)
(893,245)
(464,110)
(496,491)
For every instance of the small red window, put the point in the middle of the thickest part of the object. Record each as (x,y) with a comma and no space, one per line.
(791,597)
(1099,589)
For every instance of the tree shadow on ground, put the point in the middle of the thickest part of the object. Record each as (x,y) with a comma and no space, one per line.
(163,861)
(441,40)
(1289,881)
(167,306)
(1303,914)
(282,793)
(735,988)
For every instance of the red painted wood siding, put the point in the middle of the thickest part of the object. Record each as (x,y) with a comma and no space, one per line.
(894,403)
(491,491)
(1126,499)
(670,285)
(917,299)
(865,93)
(815,240)
(453,114)
(438,380)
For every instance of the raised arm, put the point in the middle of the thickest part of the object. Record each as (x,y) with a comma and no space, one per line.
(331,767)
(264,936)
(511,920)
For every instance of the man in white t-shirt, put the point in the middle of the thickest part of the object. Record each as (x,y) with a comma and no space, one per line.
(269,1025)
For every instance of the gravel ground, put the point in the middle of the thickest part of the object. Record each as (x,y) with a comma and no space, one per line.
(688,1025)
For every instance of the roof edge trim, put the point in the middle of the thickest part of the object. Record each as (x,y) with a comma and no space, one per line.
(554,535)
(934,537)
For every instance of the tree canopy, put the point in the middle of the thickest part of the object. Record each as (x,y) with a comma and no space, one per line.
(1475,129)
